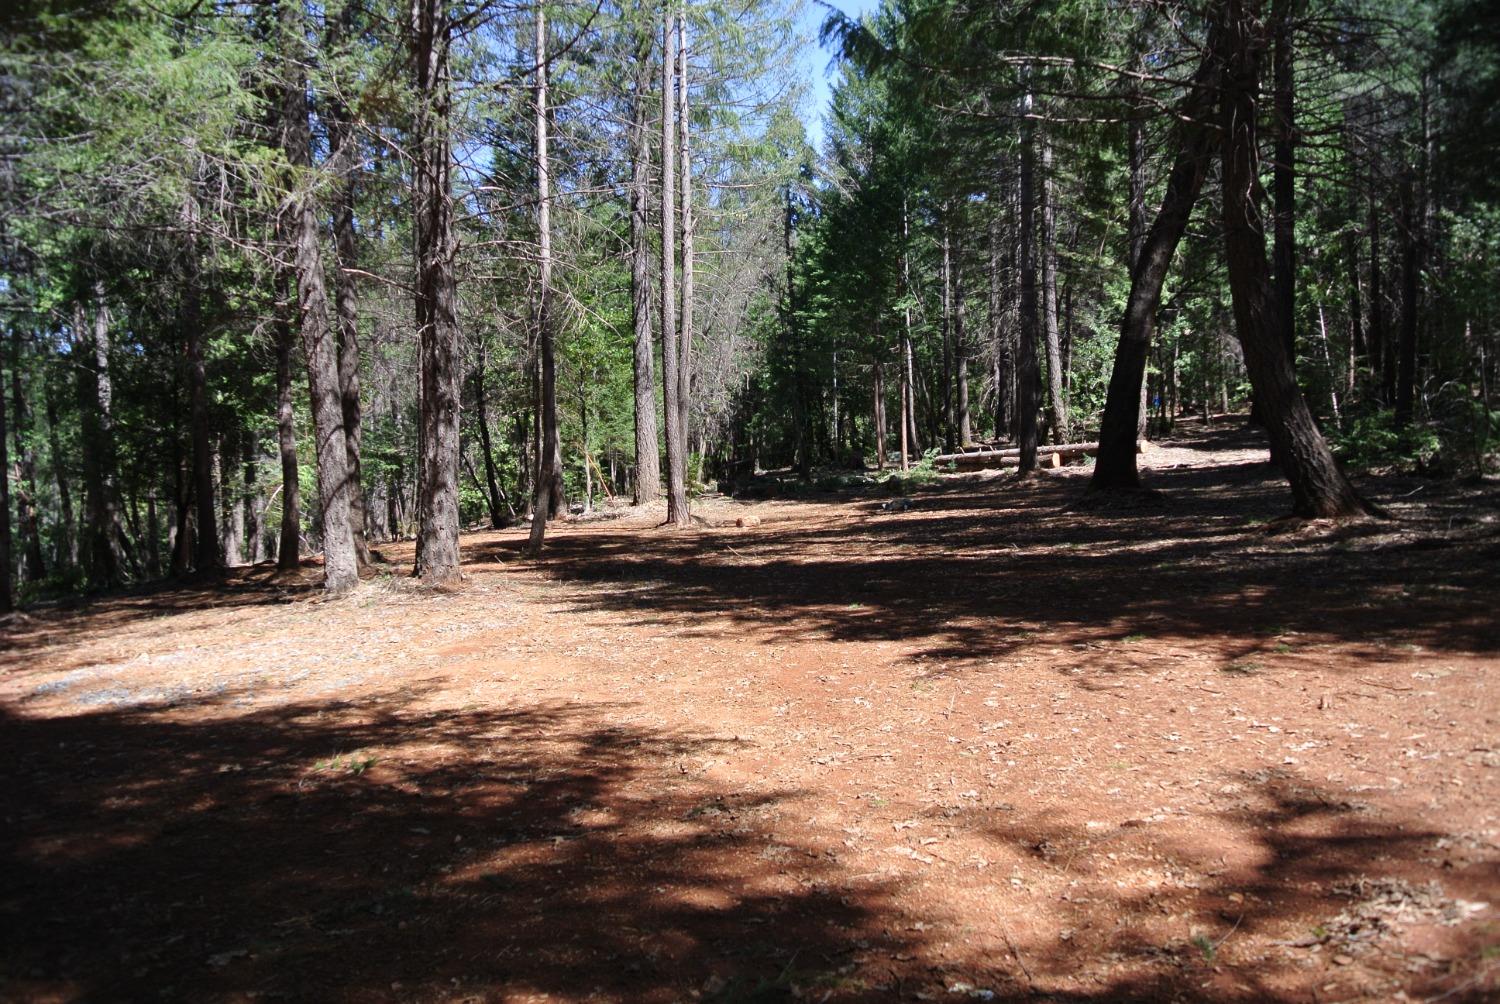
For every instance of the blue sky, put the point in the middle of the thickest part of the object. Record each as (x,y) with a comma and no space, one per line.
(815,61)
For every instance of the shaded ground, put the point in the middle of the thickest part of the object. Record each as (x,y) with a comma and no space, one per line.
(980,748)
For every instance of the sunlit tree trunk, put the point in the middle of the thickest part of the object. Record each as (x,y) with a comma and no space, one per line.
(33,563)
(685,195)
(549,494)
(677,512)
(340,565)
(344,155)
(647,449)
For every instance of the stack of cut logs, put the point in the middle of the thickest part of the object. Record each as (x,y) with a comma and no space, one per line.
(1046,456)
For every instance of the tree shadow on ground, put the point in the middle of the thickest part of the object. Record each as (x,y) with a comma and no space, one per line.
(392,853)
(387,853)
(972,571)
(1308,876)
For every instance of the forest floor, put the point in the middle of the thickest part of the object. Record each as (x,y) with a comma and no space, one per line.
(981,747)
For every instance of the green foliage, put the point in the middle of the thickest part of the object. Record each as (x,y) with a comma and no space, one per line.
(1374,441)
(918,474)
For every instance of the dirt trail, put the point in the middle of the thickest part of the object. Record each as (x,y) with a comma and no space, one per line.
(977,748)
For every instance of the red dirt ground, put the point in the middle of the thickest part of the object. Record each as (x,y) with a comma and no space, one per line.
(982,748)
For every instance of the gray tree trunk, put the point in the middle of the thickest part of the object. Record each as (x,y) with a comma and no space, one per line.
(550,501)
(340,563)
(677,511)
(647,450)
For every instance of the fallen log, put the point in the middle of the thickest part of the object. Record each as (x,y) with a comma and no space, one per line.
(986,458)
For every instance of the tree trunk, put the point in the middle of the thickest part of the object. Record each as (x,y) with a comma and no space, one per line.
(961,357)
(1382,360)
(101,560)
(153,538)
(1136,154)
(231,525)
(1319,488)
(911,442)
(340,563)
(343,154)
(249,509)
(877,378)
(33,564)
(685,196)
(207,555)
(550,501)
(1283,174)
(998,341)
(677,513)
(1194,139)
(1057,409)
(494,495)
(1406,362)
(647,451)
(346,306)
(949,414)
(180,535)
(1026,366)
(67,539)
(436,300)
(288,553)
(7,596)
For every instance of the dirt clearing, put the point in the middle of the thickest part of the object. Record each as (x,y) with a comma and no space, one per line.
(980,747)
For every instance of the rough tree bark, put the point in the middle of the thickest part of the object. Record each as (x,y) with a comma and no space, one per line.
(1284,174)
(1057,409)
(647,452)
(344,155)
(1136,155)
(997,333)
(677,511)
(1028,377)
(549,494)
(340,563)
(1411,268)
(288,552)
(1319,488)
(102,560)
(910,442)
(685,196)
(1194,141)
(436,300)
(961,356)
(949,418)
